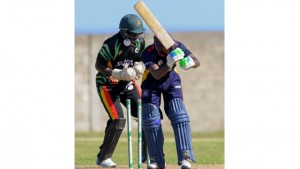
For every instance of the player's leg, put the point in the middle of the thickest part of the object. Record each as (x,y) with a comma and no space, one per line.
(114,128)
(181,126)
(179,118)
(110,141)
(152,128)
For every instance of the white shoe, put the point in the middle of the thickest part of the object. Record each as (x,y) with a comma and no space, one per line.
(152,166)
(186,164)
(108,163)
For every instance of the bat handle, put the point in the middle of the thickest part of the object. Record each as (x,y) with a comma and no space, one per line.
(173,47)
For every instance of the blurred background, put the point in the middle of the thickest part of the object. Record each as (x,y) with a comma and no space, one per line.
(198,24)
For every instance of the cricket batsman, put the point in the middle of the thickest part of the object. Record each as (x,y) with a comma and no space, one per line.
(161,79)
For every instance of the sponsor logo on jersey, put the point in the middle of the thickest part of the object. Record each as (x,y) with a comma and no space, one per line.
(125,62)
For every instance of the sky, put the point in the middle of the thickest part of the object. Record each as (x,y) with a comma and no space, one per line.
(96,16)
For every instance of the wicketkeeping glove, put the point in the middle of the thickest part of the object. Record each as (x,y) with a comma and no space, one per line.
(174,56)
(126,74)
(186,63)
(139,69)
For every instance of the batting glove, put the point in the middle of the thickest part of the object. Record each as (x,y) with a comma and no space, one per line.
(186,63)
(174,57)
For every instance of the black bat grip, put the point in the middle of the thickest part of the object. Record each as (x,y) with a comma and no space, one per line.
(173,47)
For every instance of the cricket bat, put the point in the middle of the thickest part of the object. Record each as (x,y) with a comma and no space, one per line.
(154,25)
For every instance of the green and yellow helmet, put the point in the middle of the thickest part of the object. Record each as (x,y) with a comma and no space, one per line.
(132,23)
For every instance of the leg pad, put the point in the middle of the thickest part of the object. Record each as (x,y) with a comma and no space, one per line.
(153,133)
(181,126)
(111,138)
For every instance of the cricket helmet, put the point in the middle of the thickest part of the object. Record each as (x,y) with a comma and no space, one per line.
(132,23)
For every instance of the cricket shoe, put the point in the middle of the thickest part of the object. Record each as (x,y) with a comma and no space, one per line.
(154,166)
(186,164)
(108,163)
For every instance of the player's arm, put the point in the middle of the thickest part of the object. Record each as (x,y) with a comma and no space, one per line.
(103,63)
(126,74)
(104,69)
(173,57)
(158,72)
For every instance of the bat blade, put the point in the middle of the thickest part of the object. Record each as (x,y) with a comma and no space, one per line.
(154,25)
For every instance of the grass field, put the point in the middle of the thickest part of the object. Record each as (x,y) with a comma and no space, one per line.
(208,150)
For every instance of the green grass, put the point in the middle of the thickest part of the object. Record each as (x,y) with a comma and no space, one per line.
(208,148)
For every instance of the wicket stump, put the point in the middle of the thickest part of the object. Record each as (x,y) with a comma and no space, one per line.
(129,131)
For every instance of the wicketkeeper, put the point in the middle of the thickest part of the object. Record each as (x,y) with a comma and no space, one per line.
(160,78)
(119,65)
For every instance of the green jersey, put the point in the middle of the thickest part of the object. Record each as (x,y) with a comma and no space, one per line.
(115,54)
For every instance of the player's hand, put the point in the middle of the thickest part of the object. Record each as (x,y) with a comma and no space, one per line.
(139,69)
(112,80)
(186,63)
(174,57)
(126,74)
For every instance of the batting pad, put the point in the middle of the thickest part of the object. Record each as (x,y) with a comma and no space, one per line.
(181,126)
(153,133)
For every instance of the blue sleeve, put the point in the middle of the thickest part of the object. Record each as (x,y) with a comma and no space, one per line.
(148,59)
(186,51)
